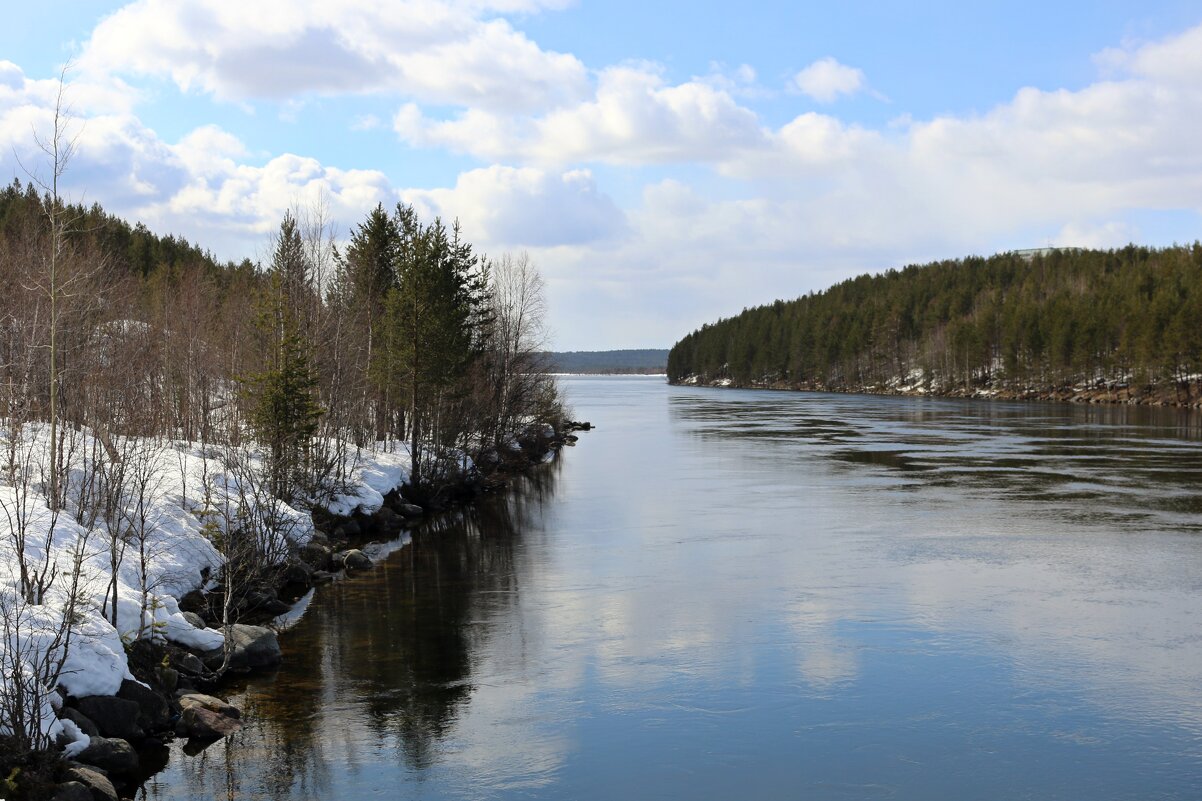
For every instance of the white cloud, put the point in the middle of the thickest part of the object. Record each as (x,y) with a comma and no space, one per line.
(826,80)
(442,52)
(506,207)
(634,118)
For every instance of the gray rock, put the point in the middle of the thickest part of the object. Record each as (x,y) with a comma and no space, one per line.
(316,555)
(354,559)
(100,788)
(411,510)
(193,601)
(110,755)
(253,647)
(188,664)
(348,529)
(189,700)
(204,724)
(154,713)
(81,720)
(297,573)
(195,619)
(72,791)
(114,717)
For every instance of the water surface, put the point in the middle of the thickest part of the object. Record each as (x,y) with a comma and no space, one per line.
(725,594)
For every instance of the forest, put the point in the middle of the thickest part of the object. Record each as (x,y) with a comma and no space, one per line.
(1125,322)
(164,414)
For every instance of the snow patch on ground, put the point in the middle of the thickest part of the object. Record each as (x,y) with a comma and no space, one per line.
(187,495)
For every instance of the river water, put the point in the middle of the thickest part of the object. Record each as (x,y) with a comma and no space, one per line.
(728,594)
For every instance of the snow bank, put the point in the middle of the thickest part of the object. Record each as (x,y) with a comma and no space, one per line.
(185,496)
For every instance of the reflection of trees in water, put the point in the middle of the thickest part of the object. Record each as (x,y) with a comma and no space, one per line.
(393,649)
(444,594)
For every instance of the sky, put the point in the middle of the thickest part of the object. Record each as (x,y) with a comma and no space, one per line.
(663,163)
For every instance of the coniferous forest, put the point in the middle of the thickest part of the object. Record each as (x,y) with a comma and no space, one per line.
(1119,325)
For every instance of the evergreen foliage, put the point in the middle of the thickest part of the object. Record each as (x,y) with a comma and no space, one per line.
(1127,316)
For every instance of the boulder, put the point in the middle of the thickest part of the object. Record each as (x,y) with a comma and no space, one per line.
(196,620)
(194,601)
(110,755)
(154,714)
(187,663)
(81,720)
(348,529)
(71,791)
(253,647)
(316,555)
(205,724)
(189,700)
(297,572)
(353,559)
(100,788)
(113,716)
(386,518)
(410,510)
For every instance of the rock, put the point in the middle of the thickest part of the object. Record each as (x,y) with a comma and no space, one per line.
(193,601)
(297,573)
(316,555)
(320,537)
(168,678)
(348,529)
(114,717)
(323,577)
(187,663)
(410,510)
(72,791)
(100,788)
(110,755)
(189,700)
(253,647)
(154,713)
(196,620)
(81,720)
(386,518)
(205,724)
(353,559)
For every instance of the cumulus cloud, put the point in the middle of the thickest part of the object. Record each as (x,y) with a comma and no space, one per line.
(443,52)
(634,118)
(506,207)
(826,80)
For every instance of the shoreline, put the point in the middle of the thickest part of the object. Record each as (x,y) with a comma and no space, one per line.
(1186,395)
(170,697)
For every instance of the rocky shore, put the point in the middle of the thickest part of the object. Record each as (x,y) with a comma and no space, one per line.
(175,694)
(1181,394)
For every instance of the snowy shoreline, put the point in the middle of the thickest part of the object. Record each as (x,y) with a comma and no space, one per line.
(189,500)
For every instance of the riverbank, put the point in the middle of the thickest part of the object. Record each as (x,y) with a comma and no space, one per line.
(165,687)
(1182,394)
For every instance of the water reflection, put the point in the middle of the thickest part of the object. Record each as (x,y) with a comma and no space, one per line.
(379,668)
(767,595)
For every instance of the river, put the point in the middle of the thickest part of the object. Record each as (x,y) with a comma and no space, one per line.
(725,594)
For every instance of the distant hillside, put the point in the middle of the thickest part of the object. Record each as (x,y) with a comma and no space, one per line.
(1122,325)
(646,361)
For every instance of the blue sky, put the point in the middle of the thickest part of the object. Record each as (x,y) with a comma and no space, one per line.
(664,163)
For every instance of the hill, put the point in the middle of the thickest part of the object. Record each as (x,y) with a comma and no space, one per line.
(647,361)
(1119,325)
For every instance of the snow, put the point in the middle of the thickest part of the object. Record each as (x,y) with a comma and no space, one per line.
(186,489)
(372,478)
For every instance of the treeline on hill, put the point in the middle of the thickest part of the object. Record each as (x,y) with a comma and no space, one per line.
(1014,324)
(408,336)
(609,362)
